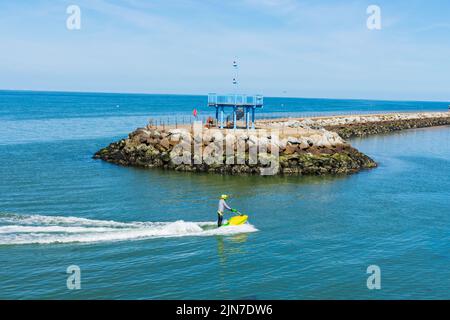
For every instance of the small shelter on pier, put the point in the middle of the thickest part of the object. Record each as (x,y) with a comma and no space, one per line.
(248,104)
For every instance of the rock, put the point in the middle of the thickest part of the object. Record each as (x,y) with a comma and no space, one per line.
(155,134)
(218,137)
(293,140)
(282,144)
(165,157)
(252,140)
(165,143)
(304,145)
(290,149)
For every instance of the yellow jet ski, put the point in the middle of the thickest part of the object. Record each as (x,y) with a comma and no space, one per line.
(236,221)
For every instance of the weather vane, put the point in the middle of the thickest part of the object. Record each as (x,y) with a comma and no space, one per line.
(235,66)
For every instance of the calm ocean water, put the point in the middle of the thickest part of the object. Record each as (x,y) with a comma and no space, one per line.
(139,234)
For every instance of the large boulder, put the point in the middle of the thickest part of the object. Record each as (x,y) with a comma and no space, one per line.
(165,143)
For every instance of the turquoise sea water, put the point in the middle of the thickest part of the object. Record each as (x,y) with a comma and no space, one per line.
(143,234)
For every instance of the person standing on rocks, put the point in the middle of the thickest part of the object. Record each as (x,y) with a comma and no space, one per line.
(221,209)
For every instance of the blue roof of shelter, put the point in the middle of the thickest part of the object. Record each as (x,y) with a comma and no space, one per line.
(232,100)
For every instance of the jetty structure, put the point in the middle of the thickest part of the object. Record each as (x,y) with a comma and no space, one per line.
(306,146)
(241,105)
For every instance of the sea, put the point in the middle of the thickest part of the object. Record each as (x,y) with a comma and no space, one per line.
(149,234)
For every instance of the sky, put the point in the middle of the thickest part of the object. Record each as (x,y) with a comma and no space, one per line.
(295,48)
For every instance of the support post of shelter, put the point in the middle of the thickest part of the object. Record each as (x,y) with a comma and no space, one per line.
(253,118)
(217,116)
(247,118)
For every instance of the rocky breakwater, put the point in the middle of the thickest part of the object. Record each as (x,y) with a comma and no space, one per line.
(364,125)
(306,151)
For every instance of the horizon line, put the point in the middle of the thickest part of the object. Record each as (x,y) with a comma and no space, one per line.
(206,94)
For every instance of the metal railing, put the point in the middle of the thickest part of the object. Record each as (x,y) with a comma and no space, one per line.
(176,121)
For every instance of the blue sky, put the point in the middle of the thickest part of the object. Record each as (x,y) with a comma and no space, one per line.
(284,47)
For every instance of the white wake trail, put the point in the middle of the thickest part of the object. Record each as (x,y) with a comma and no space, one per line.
(39,229)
